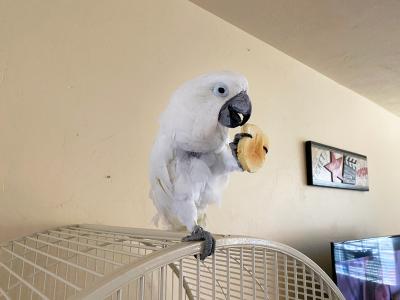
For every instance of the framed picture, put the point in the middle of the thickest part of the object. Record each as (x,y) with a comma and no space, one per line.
(332,167)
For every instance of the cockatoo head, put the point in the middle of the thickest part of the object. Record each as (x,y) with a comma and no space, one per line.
(203,109)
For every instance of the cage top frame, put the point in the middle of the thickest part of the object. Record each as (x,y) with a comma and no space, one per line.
(179,250)
(170,248)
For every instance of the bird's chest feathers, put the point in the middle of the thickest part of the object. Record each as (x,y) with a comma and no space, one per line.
(195,171)
(197,167)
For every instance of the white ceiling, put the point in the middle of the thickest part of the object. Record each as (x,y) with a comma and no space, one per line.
(354,42)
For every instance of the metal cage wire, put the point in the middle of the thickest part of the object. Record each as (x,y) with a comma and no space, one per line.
(104,262)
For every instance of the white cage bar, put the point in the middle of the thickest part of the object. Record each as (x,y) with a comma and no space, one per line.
(115,263)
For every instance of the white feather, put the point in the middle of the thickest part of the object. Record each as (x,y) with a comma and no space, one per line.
(191,158)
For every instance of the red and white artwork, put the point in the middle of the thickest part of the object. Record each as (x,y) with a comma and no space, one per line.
(333,167)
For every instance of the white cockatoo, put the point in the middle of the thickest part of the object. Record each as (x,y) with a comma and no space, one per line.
(192,157)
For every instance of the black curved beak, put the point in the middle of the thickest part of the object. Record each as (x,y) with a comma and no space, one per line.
(236,111)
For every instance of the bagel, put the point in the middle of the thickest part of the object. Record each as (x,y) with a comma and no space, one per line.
(251,151)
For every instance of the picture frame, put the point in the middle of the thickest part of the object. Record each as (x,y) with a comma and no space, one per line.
(329,166)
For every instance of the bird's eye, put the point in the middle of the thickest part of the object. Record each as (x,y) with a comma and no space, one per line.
(220,90)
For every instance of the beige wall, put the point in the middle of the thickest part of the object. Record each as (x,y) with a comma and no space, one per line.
(82,85)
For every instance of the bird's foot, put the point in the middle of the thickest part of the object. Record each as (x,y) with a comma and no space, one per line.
(199,234)
(234,144)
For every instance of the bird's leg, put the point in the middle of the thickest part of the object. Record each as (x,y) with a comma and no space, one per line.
(234,144)
(199,234)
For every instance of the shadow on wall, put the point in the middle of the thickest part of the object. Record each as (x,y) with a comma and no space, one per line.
(302,151)
(318,248)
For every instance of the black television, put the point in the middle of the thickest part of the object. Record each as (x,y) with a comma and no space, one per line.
(367,269)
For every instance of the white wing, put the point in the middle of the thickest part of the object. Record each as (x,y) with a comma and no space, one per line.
(161,190)
(177,181)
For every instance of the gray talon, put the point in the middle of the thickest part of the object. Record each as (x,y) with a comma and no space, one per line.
(199,234)
(234,145)
(239,136)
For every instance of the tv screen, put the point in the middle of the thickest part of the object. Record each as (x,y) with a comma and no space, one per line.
(368,268)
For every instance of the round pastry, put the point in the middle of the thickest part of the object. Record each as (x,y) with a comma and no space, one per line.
(252,150)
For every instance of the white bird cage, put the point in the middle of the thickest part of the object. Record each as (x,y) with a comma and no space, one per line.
(103,262)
